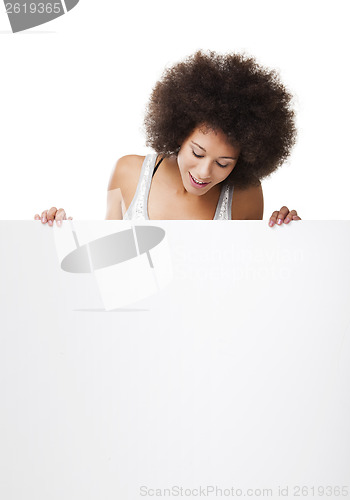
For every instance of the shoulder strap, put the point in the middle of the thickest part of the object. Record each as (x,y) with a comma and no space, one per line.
(155,168)
(224,206)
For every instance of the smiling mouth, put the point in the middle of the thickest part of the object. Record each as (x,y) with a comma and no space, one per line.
(198,182)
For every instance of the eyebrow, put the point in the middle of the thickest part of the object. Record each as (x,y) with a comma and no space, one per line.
(226,157)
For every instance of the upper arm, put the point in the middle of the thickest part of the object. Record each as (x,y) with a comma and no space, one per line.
(122,182)
(251,203)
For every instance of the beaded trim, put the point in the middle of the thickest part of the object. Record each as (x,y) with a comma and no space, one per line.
(140,208)
(223,215)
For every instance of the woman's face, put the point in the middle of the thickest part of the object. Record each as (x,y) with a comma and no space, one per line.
(205,159)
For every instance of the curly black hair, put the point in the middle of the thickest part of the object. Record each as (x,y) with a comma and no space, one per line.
(231,93)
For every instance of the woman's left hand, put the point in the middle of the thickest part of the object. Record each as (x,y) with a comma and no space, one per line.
(283,216)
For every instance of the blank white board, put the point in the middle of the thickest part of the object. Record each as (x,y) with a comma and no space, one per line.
(233,374)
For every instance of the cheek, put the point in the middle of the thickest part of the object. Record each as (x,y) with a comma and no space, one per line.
(185,162)
(223,174)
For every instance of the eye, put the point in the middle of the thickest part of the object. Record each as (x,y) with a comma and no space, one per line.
(201,156)
(222,166)
(197,156)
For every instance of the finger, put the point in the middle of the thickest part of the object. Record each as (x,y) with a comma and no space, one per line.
(289,217)
(60,216)
(51,215)
(273,218)
(37,217)
(282,215)
(296,217)
(44,217)
(70,218)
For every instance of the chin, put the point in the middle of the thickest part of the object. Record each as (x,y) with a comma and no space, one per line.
(197,192)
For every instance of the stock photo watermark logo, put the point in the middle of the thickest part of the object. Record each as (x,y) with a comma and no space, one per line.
(24,15)
(128,263)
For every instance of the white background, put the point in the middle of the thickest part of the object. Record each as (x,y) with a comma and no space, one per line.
(73,93)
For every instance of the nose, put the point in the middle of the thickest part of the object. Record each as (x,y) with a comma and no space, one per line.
(204,170)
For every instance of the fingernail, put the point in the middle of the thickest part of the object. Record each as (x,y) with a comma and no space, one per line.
(43,219)
(58,222)
(279,222)
(271,223)
(50,222)
(286,220)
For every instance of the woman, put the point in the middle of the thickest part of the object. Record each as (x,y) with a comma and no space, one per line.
(218,125)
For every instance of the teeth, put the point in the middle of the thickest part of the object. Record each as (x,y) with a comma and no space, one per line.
(197,181)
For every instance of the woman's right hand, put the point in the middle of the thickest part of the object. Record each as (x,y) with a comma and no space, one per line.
(53,214)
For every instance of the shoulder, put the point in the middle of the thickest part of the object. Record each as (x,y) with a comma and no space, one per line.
(126,171)
(248,203)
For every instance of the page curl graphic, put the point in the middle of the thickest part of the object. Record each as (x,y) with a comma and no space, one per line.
(129,262)
(28,14)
